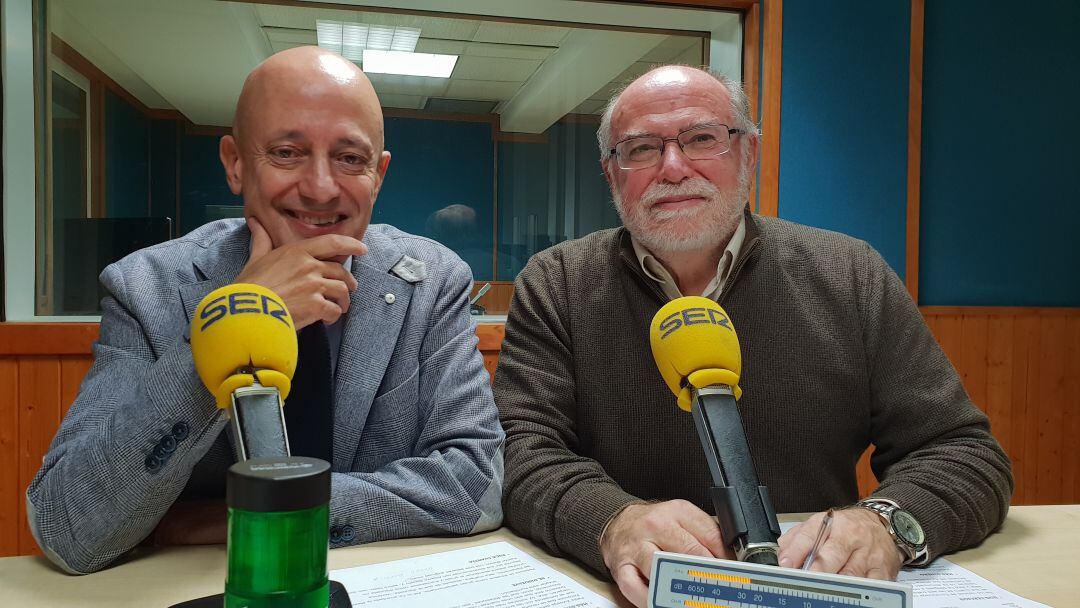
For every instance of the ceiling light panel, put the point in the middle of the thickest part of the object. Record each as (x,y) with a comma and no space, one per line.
(352,39)
(405,39)
(409,64)
(329,34)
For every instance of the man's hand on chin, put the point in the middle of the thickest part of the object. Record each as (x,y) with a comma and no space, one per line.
(314,286)
(640,530)
(197,522)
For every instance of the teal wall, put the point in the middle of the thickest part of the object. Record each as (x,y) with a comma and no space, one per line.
(127,159)
(1000,199)
(163,164)
(843,120)
(140,163)
(202,180)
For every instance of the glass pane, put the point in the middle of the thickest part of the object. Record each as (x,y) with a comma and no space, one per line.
(551,190)
(68,186)
(496,158)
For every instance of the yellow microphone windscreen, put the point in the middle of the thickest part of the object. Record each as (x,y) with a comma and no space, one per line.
(694,344)
(243,325)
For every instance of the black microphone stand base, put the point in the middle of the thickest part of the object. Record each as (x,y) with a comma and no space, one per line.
(765,557)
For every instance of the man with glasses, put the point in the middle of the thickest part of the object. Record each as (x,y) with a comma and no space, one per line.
(600,462)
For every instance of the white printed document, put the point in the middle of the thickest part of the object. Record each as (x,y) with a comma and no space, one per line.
(497,575)
(943,584)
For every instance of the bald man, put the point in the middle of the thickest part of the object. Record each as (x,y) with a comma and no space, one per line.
(407,420)
(600,462)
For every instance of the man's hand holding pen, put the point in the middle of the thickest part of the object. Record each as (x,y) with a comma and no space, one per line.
(843,541)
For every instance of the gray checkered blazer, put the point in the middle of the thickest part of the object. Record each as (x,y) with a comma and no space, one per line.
(417,443)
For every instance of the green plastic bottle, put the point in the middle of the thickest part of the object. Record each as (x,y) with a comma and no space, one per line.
(279,521)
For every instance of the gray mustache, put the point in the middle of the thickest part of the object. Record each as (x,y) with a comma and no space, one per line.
(696,188)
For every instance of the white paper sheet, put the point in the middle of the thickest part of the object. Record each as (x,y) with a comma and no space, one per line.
(497,575)
(943,584)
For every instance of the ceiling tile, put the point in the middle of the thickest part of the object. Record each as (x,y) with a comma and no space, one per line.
(408,85)
(589,106)
(672,47)
(490,68)
(691,56)
(519,33)
(481,89)
(294,36)
(391,100)
(604,93)
(461,106)
(430,27)
(441,47)
(392,19)
(508,51)
(304,18)
(277,47)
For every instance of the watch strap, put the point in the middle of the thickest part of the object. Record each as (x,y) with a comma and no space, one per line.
(884,508)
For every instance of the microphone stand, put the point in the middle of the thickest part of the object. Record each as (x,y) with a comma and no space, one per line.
(257,421)
(743,508)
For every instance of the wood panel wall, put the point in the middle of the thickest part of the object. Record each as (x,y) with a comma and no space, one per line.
(1020,365)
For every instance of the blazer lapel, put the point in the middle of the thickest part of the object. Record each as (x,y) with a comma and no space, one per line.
(371,330)
(215,267)
(191,294)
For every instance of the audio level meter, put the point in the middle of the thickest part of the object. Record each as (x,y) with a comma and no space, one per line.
(685,581)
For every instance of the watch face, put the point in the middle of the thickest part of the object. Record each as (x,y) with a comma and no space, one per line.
(907,528)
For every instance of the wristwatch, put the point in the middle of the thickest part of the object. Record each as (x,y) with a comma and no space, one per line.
(903,528)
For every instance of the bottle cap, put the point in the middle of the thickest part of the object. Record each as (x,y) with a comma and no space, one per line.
(264,485)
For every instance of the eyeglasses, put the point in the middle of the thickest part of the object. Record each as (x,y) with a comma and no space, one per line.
(698,143)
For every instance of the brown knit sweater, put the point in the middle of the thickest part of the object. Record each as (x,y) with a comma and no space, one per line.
(836,357)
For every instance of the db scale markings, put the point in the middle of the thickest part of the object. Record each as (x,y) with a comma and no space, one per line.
(683,581)
(763,596)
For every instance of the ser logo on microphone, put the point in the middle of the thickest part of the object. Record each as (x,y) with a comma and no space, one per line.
(242,302)
(693,316)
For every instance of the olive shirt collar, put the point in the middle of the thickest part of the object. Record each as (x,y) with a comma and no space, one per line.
(655,270)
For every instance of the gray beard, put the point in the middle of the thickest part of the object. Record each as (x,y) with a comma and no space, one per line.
(718,219)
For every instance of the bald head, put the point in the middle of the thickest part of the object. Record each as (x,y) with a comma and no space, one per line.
(727,94)
(307,151)
(310,74)
(665,76)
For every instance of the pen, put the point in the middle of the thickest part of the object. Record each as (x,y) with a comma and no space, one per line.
(826,522)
